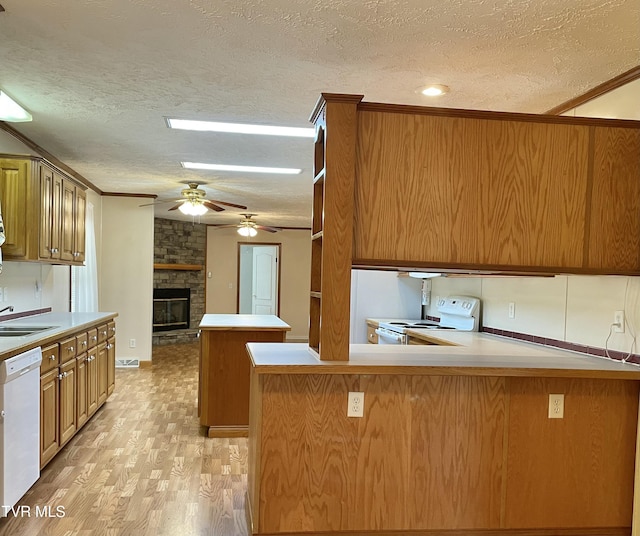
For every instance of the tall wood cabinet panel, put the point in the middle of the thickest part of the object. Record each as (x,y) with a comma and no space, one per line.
(50,213)
(334,171)
(49,428)
(81,399)
(614,232)
(18,189)
(103,372)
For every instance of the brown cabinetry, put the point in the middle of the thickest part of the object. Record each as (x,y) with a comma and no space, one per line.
(403,187)
(76,377)
(17,191)
(372,336)
(44,212)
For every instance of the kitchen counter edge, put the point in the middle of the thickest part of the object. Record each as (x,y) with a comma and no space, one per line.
(297,358)
(66,324)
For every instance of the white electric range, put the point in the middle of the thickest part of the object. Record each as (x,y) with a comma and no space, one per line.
(456,312)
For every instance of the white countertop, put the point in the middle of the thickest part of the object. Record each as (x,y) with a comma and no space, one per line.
(477,354)
(243,322)
(61,324)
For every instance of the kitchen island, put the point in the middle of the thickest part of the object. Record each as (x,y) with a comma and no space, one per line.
(453,438)
(223,389)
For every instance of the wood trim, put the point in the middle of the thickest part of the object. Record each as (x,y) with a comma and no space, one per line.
(183,267)
(606,531)
(605,87)
(635,518)
(46,154)
(228,431)
(122,194)
(479,270)
(494,116)
(344,98)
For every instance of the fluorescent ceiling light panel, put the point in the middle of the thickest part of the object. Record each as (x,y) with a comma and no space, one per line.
(248,169)
(11,111)
(240,128)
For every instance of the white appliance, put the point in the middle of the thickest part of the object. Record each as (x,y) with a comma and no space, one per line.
(456,312)
(19,426)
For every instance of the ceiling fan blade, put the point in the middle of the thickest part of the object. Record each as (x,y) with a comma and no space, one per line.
(228,204)
(224,226)
(268,229)
(174,207)
(158,203)
(211,206)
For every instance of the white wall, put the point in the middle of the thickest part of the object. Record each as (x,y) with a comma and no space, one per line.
(126,272)
(577,309)
(381,294)
(222,263)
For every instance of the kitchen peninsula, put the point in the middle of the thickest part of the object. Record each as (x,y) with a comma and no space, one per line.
(223,390)
(452,438)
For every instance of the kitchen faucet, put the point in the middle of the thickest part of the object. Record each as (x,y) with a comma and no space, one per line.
(9,308)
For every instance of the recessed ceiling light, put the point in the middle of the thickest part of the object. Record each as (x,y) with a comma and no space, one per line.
(434,90)
(249,169)
(240,128)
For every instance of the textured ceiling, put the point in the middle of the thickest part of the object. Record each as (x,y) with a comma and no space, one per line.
(100,76)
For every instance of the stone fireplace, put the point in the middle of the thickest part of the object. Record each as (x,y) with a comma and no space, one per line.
(179,259)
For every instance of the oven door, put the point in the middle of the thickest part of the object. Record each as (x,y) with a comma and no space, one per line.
(390,337)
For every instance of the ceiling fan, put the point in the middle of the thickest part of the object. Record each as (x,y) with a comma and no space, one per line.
(248,227)
(194,202)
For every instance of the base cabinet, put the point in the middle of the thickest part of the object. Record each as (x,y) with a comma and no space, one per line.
(76,377)
(49,437)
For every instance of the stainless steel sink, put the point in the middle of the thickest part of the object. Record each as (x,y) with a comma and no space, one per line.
(22,331)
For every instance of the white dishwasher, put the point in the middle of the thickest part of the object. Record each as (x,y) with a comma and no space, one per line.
(19,426)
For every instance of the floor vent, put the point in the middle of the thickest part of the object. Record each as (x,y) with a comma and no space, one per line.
(127,363)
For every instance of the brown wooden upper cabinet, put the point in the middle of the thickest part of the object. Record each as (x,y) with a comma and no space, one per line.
(31,186)
(468,191)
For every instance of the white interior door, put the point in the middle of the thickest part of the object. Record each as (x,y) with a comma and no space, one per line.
(264,299)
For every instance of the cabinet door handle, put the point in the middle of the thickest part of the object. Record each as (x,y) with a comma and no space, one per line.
(60,377)
(94,338)
(70,349)
(109,346)
(84,343)
(52,357)
(104,333)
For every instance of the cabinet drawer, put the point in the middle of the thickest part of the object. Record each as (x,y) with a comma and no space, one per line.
(82,343)
(103,333)
(111,329)
(68,349)
(92,338)
(50,358)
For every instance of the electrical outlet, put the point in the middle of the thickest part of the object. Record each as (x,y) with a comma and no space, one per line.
(618,322)
(512,309)
(355,406)
(132,343)
(556,406)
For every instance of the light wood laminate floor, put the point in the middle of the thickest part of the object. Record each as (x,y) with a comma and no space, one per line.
(142,466)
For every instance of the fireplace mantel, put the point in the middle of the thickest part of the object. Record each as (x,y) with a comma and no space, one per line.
(186,267)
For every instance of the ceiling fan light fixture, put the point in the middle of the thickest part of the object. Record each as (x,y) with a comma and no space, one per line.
(247,231)
(11,111)
(248,169)
(191,208)
(240,128)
